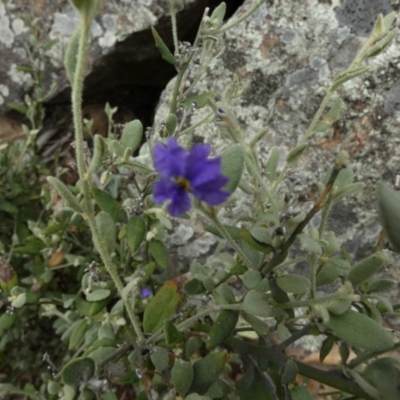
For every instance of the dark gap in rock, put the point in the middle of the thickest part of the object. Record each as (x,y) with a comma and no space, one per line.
(134,75)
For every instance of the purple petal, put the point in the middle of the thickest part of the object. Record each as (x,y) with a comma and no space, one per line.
(211,192)
(203,172)
(180,203)
(164,189)
(170,160)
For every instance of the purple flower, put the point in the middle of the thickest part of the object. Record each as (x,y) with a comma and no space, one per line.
(183,172)
(145,293)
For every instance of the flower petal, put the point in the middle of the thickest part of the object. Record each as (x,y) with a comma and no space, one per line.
(164,189)
(180,203)
(204,171)
(211,192)
(170,160)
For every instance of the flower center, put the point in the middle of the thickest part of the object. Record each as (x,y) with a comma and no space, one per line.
(184,183)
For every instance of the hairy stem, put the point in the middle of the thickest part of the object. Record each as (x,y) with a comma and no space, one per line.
(98,241)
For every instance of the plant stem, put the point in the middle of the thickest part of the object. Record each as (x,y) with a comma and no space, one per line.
(174,32)
(98,241)
(237,21)
(317,206)
(227,236)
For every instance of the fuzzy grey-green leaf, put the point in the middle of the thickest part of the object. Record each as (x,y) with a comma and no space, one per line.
(360,331)
(132,134)
(389,207)
(182,376)
(366,268)
(254,304)
(272,164)
(232,163)
(106,226)
(65,193)
(292,283)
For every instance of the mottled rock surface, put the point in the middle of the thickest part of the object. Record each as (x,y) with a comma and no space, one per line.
(285,56)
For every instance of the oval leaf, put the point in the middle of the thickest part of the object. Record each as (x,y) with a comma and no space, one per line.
(232,162)
(296,284)
(366,268)
(135,232)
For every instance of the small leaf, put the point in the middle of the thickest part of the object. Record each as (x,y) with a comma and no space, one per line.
(191,346)
(290,371)
(132,135)
(348,75)
(78,371)
(159,253)
(201,100)
(296,153)
(254,243)
(381,285)
(97,295)
(334,112)
(366,268)
(222,327)
(254,304)
(170,124)
(135,232)
(7,321)
(77,334)
(106,226)
(162,47)
(194,286)
(256,323)
(300,393)
(217,16)
(389,207)
(159,357)
(8,276)
(233,231)
(108,204)
(309,245)
(182,376)
(65,193)
(87,8)
(71,55)
(326,347)
(272,164)
(206,371)
(232,163)
(295,284)
(171,334)
(360,331)
(251,279)
(161,307)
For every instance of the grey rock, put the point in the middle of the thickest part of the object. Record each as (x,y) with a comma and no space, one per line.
(285,56)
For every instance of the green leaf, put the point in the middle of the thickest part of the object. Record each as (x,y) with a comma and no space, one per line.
(108,204)
(135,232)
(132,135)
(326,347)
(360,331)
(106,227)
(260,388)
(97,295)
(348,75)
(381,44)
(182,376)
(366,268)
(65,193)
(159,357)
(290,371)
(251,279)
(254,243)
(300,393)
(334,112)
(8,276)
(98,152)
(161,307)
(272,164)
(171,334)
(295,284)
(327,275)
(296,153)
(254,304)
(389,207)
(7,321)
(206,371)
(256,323)
(159,253)
(222,327)
(71,55)
(217,16)
(381,285)
(384,375)
(77,334)
(162,47)
(201,100)
(78,371)
(232,163)
(87,8)
(309,245)
(170,124)
(194,286)
(233,231)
